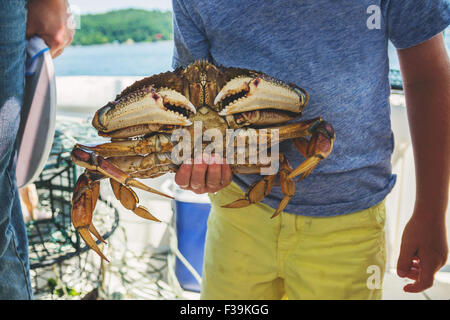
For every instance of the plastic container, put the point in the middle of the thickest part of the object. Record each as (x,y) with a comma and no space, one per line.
(191,216)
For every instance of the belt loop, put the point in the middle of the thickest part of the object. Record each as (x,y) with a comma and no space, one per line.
(291,222)
(299,221)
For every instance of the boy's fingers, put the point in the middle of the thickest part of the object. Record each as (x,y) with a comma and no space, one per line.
(424,281)
(61,40)
(214,174)
(198,175)
(427,267)
(405,260)
(413,273)
(56,43)
(183,175)
(56,53)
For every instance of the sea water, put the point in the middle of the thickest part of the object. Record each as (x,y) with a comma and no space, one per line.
(138,59)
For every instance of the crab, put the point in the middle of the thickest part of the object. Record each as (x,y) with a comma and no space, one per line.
(142,119)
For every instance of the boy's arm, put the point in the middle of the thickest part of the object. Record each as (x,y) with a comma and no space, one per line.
(426,79)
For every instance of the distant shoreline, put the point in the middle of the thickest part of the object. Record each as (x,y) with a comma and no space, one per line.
(126,25)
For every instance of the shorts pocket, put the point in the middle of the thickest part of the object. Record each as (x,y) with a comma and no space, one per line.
(378,214)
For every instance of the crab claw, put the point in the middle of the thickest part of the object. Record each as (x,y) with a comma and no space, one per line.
(83,203)
(147,105)
(246,93)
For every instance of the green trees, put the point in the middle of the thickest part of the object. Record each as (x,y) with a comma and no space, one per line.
(124,25)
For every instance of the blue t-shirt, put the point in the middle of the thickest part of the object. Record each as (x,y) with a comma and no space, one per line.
(337,52)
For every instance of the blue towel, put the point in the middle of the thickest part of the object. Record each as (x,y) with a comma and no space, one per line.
(35,48)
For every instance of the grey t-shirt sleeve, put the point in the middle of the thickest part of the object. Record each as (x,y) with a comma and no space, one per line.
(411,22)
(190,42)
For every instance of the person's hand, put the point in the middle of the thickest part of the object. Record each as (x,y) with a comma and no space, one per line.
(49,19)
(423,251)
(209,176)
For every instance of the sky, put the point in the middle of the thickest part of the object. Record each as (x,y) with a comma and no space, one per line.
(98,6)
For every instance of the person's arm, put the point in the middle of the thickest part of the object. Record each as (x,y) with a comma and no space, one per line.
(426,79)
(49,19)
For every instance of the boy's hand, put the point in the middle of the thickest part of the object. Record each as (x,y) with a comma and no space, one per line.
(423,251)
(204,176)
(49,19)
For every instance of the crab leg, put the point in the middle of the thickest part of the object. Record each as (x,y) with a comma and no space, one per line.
(83,203)
(95,194)
(156,143)
(315,150)
(257,191)
(138,163)
(91,161)
(129,200)
(287,185)
(155,171)
(275,135)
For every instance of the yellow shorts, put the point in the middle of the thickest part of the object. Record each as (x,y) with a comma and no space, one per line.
(250,256)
